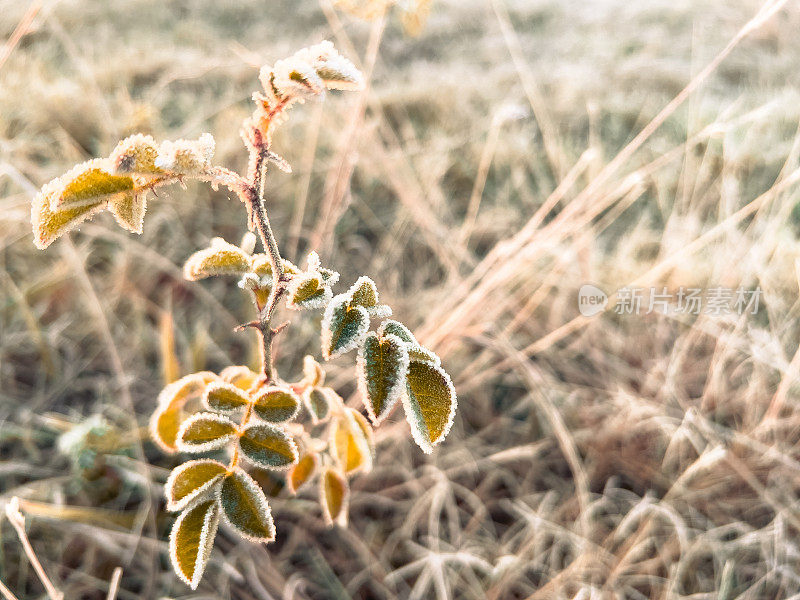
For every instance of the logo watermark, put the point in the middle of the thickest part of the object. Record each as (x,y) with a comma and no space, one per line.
(591,300)
(715,301)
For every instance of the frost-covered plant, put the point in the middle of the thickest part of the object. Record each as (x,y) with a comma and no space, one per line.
(261,420)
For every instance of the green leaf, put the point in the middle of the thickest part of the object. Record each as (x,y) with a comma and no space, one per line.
(169,414)
(276,404)
(349,445)
(343,327)
(245,507)
(221,258)
(302,472)
(307,291)
(225,397)
(205,431)
(334,496)
(430,404)
(191,481)
(381,366)
(398,329)
(364,293)
(191,541)
(317,403)
(267,447)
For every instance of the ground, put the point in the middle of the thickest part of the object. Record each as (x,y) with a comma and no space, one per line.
(495,171)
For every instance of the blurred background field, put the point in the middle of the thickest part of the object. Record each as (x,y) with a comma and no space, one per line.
(481,181)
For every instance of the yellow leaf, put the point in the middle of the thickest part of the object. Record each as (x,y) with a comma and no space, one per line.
(48,226)
(307,291)
(334,496)
(136,154)
(166,420)
(90,182)
(349,444)
(205,431)
(191,541)
(129,209)
(302,472)
(186,157)
(192,480)
(364,292)
(240,376)
(429,403)
(221,258)
(313,374)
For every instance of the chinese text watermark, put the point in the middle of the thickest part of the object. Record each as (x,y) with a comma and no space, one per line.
(715,301)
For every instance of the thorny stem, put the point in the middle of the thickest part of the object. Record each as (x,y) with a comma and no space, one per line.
(279,279)
(258,214)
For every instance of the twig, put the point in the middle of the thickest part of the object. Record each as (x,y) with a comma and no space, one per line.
(7,592)
(18,521)
(113,586)
(261,221)
(23,28)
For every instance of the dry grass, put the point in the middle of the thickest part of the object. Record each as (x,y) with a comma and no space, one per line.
(644,456)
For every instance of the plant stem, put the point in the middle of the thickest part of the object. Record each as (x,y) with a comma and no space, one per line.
(259,213)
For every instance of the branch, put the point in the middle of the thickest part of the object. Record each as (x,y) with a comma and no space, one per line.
(259,217)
